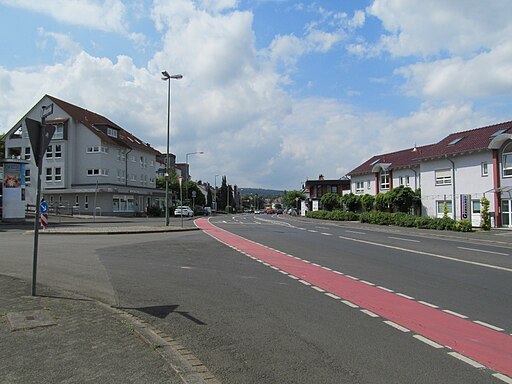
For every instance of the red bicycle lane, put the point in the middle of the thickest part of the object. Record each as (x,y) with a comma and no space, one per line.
(486,346)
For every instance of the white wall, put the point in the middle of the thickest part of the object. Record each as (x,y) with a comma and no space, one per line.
(468,180)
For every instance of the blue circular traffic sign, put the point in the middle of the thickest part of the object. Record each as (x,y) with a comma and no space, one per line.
(43,207)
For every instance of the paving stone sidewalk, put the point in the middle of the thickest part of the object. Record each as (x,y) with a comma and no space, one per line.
(62,338)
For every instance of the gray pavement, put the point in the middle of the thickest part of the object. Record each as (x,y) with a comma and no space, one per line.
(62,337)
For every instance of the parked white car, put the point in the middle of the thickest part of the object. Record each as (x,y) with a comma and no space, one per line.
(183,210)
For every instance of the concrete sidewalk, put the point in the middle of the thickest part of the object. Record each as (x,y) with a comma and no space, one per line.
(60,337)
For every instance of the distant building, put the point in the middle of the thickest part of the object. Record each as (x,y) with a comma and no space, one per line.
(315,189)
(90,164)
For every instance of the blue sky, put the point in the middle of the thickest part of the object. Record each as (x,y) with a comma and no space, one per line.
(274,92)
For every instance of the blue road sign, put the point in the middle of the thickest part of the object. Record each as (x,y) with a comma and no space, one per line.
(43,207)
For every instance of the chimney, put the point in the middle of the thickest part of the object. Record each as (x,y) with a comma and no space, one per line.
(320,177)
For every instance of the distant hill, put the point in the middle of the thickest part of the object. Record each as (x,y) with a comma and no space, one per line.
(261,192)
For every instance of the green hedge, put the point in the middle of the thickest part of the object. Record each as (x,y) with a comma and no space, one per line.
(398,219)
(337,215)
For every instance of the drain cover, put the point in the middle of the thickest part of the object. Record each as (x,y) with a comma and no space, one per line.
(30,319)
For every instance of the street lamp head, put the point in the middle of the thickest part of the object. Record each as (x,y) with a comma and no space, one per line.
(166,76)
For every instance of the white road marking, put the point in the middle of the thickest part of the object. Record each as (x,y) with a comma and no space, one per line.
(312,231)
(284,272)
(293,277)
(369,313)
(366,282)
(338,272)
(489,325)
(316,265)
(352,277)
(318,289)
(350,304)
(385,289)
(502,377)
(481,250)
(327,269)
(304,282)
(326,234)
(465,359)
(356,232)
(397,326)
(428,341)
(405,296)
(428,254)
(401,238)
(427,304)
(455,314)
(332,295)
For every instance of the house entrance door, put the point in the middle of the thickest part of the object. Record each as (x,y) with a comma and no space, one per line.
(506,212)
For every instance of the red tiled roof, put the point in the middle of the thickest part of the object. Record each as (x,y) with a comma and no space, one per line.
(400,159)
(466,141)
(94,121)
(456,143)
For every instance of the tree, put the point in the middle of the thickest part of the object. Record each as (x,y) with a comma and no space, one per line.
(289,198)
(485,223)
(352,202)
(330,201)
(367,202)
(382,202)
(402,198)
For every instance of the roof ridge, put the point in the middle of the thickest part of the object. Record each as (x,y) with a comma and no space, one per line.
(476,129)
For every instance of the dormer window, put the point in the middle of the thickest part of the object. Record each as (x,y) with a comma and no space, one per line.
(374,162)
(499,132)
(112,132)
(455,141)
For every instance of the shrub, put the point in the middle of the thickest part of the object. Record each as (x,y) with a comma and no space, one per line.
(155,211)
(375,217)
(367,202)
(330,201)
(352,202)
(485,223)
(403,219)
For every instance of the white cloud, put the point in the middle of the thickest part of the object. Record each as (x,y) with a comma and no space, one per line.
(107,15)
(486,75)
(426,28)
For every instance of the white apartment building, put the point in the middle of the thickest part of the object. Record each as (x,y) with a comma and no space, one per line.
(91,164)
(455,172)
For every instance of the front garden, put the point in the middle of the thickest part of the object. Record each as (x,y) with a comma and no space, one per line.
(401,207)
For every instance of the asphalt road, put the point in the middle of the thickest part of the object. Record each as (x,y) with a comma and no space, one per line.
(249,323)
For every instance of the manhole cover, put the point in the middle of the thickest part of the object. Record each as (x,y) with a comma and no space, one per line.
(30,319)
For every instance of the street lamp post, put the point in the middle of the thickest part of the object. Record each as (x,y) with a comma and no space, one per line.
(215,206)
(186,170)
(167,77)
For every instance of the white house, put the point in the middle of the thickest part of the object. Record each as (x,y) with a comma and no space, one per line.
(455,173)
(90,164)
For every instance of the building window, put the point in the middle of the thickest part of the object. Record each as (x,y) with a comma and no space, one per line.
(59,131)
(475,206)
(112,132)
(368,184)
(360,187)
(49,174)
(334,189)
(58,174)
(86,202)
(122,203)
(27,153)
(97,149)
(58,151)
(97,172)
(484,169)
(384,180)
(77,201)
(49,152)
(27,177)
(507,161)
(441,204)
(444,177)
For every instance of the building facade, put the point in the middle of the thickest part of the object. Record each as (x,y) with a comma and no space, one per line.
(91,166)
(315,189)
(453,174)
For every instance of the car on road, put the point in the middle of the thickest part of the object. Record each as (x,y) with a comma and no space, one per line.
(183,210)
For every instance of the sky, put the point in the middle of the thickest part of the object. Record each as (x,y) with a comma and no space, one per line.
(274,92)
